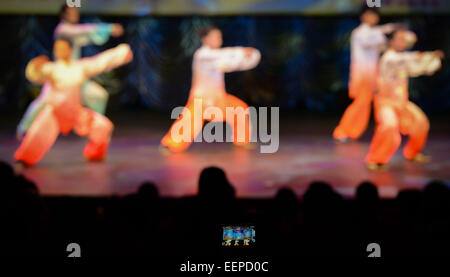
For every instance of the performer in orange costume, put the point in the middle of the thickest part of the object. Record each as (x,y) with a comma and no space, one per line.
(64,110)
(208,84)
(394,113)
(367,41)
(93,96)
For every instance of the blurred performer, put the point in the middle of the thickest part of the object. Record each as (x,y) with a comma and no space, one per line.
(209,65)
(93,95)
(394,113)
(63,110)
(367,41)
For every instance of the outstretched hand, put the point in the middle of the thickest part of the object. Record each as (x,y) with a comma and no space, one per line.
(117,30)
(249,51)
(440,54)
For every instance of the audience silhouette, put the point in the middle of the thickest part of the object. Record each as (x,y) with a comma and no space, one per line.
(416,222)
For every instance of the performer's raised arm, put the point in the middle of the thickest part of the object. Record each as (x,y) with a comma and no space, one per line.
(370,40)
(415,63)
(391,27)
(226,59)
(230,59)
(423,63)
(84,34)
(107,60)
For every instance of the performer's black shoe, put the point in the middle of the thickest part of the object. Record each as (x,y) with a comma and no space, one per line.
(376,167)
(421,158)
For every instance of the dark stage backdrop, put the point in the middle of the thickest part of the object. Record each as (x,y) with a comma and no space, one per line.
(305,60)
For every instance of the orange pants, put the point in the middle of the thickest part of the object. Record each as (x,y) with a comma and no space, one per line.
(356,117)
(391,122)
(47,126)
(230,101)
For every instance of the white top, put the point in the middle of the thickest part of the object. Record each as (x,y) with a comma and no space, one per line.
(210,65)
(366,44)
(397,67)
(67,78)
(401,65)
(64,80)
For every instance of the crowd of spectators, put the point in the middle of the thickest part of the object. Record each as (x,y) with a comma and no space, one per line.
(320,223)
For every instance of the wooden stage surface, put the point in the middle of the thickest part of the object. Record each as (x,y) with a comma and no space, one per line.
(306,153)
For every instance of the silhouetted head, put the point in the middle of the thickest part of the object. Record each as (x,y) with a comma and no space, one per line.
(211,36)
(148,190)
(69,14)
(318,190)
(214,184)
(436,188)
(321,202)
(367,192)
(286,197)
(6,171)
(436,196)
(369,16)
(26,186)
(62,49)
(286,202)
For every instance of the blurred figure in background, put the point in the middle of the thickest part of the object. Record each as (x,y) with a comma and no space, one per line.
(367,41)
(210,64)
(93,96)
(63,110)
(395,115)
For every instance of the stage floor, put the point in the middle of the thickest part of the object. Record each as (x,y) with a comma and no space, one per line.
(306,153)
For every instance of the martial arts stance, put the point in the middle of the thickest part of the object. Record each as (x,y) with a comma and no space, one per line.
(63,110)
(209,65)
(92,95)
(366,42)
(395,115)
